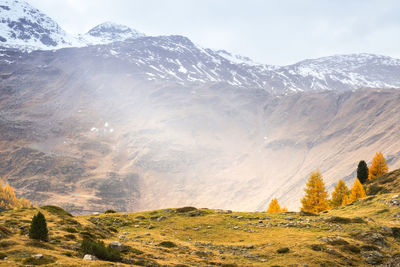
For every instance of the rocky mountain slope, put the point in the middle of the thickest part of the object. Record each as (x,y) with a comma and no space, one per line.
(82,124)
(364,233)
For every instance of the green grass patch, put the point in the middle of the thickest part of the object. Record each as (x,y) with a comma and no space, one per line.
(283,250)
(382,211)
(56,210)
(167,244)
(41,261)
(70,230)
(109,211)
(7,243)
(185,209)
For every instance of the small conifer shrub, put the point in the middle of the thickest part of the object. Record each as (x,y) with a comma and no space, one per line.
(38,228)
(98,249)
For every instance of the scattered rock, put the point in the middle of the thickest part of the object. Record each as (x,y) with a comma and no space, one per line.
(89,257)
(334,241)
(122,237)
(373,257)
(161,218)
(289,218)
(386,230)
(118,246)
(377,239)
(194,213)
(38,256)
(317,247)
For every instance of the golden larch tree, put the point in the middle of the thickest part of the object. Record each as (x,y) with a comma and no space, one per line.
(316,198)
(346,200)
(284,209)
(8,199)
(341,190)
(357,191)
(274,206)
(378,166)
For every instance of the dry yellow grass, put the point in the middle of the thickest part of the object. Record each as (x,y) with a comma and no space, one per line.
(209,237)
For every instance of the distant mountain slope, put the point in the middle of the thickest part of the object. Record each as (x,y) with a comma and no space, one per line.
(87,124)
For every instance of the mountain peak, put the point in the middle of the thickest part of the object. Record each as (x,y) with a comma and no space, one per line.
(22,25)
(108,32)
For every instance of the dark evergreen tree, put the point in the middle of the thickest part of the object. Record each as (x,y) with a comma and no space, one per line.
(362,171)
(38,228)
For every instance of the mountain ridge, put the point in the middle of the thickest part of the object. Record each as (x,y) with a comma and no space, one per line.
(338,72)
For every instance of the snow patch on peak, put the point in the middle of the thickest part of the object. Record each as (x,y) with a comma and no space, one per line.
(109,32)
(236,59)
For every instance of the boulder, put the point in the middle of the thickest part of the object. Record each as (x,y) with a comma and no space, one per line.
(38,256)
(118,246)
(373,257)
(89,257)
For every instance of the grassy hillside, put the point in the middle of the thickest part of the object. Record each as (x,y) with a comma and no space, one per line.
(366,231)
(386,183)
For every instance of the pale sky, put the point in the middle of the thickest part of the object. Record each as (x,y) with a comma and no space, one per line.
(271,32)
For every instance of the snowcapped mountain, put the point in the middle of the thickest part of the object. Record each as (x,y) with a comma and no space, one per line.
(24,26)
(177,59)
(109,32)
(342,72)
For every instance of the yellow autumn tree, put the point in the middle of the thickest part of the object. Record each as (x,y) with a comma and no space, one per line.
(8,199)
(316,198)
(284,209)
(357,191)
(341,190)
(346,200)
(378,166)
(274,206)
